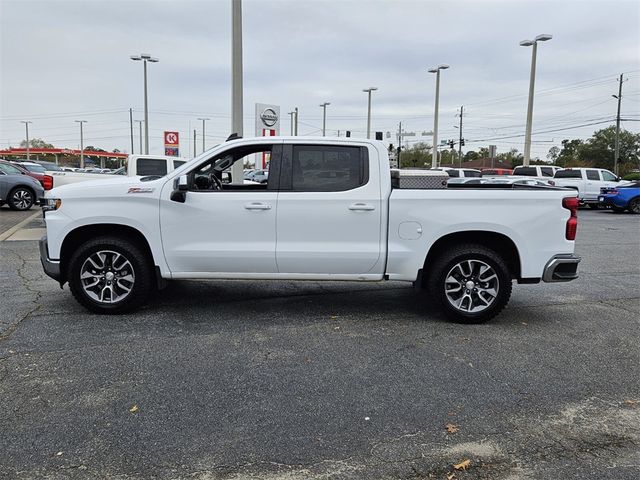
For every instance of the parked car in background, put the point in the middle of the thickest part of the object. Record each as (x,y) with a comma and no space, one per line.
(496,171)
(38,176)
(50,166)
(460,172)
(588,182)
(32,167)
(540,171)
(621,198)
(137,165)
(18,190)
(259,176)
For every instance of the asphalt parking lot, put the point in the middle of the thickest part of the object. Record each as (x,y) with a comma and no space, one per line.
(279,380)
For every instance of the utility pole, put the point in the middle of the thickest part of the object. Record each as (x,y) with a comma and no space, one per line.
(236,81)
(194,144)
(616,156)
(460,139)
(81,142)
(368,91)
(203,140)
(26,125)
(131,127)
(296,129)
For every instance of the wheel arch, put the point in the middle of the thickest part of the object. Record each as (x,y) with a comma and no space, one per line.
(80,234)
(497,242)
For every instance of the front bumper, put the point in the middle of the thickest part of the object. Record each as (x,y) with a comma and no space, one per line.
(561,268)
(51,267)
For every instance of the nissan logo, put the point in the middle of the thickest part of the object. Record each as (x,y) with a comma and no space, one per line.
(269,117)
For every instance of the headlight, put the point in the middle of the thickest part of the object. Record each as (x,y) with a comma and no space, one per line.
(51,204)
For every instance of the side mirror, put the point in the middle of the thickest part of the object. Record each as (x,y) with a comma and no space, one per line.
(618,179)
(182,183)
(180,188)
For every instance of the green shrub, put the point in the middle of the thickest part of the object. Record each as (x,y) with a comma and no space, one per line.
(632,176)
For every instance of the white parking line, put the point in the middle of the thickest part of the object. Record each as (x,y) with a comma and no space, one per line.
(15,228)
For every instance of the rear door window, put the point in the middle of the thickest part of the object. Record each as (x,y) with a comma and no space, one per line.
(472,173)
(568,174)
(319,168)
(151,166)
(593,175)
(528,171)
(546,171)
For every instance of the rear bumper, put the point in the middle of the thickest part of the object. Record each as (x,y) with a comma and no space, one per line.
(51,267)
(561,268)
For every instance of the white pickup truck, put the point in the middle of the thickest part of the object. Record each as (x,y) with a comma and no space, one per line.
(587,181)
(137,165)
(329,211)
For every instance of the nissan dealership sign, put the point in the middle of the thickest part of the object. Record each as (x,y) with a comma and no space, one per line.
(267,120)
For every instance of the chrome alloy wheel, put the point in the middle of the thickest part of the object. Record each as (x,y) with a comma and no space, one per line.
(22,199)
(107,276)
(471,286)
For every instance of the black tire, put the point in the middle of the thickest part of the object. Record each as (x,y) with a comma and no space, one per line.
(478,255)
(21,198)
(634,205)
(139,264)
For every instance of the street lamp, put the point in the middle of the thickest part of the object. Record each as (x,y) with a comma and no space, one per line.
(81,142)
(145,57)
(291,114)
(324,117)
(532,81)
(203,120)
(436,70)
(140,122)
(369,90)
(26,125)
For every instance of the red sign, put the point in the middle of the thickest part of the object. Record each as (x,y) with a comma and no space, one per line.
(171,139)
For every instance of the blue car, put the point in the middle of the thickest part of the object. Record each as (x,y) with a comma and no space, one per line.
(626,197)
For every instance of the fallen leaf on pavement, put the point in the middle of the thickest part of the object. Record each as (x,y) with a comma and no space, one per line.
(631,403)
(134,409)
(462,465)
(451,476)
(451,428)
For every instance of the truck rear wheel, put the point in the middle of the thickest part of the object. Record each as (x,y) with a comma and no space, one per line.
(110,275)
(470,282)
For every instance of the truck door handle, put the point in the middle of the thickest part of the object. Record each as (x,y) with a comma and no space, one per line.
(361,207)
(257,206)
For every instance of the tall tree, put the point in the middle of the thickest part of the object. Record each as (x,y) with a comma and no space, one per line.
(36,143)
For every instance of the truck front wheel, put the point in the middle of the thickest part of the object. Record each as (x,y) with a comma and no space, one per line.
(471,283)
(110,275)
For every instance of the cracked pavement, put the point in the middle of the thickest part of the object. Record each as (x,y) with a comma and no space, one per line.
(283,380)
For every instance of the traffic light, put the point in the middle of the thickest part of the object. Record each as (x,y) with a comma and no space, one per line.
(462,143)
(378,135)
(348,133)
(452,143)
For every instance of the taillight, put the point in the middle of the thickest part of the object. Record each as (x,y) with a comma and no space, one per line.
(571,204)
(47,182)
(613,192)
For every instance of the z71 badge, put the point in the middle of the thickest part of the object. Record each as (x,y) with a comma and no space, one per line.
(140,190)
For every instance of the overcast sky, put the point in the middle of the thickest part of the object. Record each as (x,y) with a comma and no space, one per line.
(69,60)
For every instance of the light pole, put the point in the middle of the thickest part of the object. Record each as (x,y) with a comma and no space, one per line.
(203,120)
(532,80)
(291,114)
(369,90)
(295,132)
(145,57)
(324,117)
(436,70)
(81,142)
(140,122)
(26,126)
